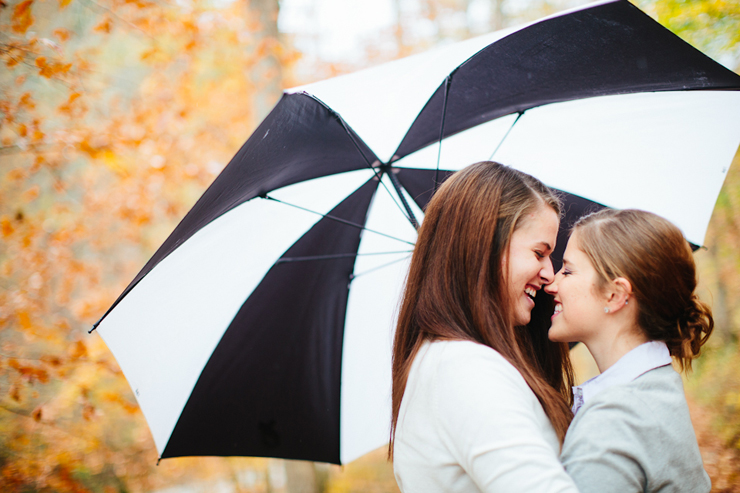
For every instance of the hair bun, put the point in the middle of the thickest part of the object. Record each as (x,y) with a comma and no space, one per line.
(695,325)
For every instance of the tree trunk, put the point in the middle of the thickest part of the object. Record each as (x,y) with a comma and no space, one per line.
(497,15)
(266,74)
(301,477)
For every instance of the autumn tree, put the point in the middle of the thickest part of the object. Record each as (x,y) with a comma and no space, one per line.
(115,117)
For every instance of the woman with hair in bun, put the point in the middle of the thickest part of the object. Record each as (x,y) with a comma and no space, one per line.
(627,291)
(480,396)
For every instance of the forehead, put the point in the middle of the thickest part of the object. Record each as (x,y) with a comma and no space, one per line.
(573,250)
(539,225)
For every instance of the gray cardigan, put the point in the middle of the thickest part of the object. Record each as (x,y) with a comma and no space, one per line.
(636,437)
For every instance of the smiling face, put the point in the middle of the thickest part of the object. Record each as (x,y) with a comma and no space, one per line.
(528,260)
(579,304)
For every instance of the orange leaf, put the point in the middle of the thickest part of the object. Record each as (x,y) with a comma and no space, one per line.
(41,62)
(17,174)
(31,194)
(22,130)
(61,33)
(78,350)
(64,3)
(104,27)
(15,392)
(26,101)
(54,361)
(22,18)
(6,226)
(24,320)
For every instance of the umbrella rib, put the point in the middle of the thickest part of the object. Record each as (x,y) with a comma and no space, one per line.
(442,131)
(379,176)
(411,217)
(355,276)
(505,135)
(338,219)
(335,256)
(409,214)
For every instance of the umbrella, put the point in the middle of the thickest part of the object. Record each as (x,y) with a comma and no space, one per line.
(263,325)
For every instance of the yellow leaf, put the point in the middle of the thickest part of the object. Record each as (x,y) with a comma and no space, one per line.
(22,18)
(64,3)
(112,161)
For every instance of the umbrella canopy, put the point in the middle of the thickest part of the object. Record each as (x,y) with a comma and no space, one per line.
(263,325)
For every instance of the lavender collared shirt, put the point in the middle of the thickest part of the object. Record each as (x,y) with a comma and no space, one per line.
(640,360)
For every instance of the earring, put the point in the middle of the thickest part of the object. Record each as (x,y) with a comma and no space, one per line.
(626,302)
(606,309)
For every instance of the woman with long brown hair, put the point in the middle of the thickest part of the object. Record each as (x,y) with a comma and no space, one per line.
(479,394)
(627,291)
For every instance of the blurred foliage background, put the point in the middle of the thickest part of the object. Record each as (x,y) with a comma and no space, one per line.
(115,115)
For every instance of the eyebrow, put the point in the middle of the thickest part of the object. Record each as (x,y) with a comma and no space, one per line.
(547,245)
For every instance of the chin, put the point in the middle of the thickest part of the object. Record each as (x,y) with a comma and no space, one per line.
(553,336)
(522,319)
(557,336)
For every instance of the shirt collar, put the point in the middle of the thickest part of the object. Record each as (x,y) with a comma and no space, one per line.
(640,360)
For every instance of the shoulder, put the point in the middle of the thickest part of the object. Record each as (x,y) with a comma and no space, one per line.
(466,354)
(648,397)
(633,435)
(640,402)
(460,363)
(466,372)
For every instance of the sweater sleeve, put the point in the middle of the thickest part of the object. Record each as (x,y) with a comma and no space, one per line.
(607,446)
(494,426)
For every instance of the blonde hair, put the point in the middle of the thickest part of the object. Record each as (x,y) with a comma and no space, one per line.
(652,254)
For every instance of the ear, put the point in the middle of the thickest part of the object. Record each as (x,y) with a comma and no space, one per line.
(619,294)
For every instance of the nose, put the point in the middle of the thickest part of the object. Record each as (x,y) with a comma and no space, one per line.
(552,288)
(547,274)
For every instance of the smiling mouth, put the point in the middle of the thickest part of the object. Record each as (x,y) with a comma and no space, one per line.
(558,309)
(530,291)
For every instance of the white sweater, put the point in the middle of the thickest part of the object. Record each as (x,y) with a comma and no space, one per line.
(469,422)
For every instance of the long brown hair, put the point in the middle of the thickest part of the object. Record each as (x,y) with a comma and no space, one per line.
(456,288)
(652,254)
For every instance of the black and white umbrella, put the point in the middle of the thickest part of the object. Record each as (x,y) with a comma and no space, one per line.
(263,325)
